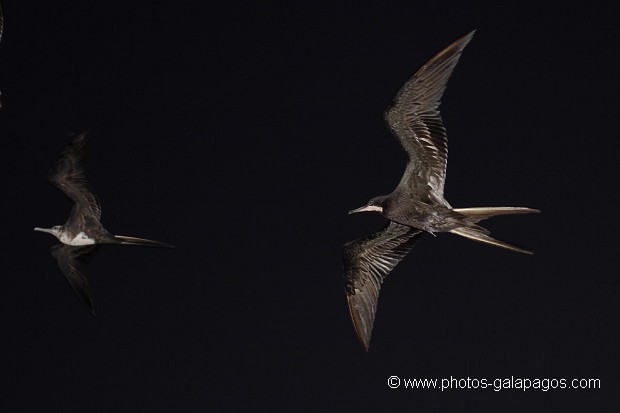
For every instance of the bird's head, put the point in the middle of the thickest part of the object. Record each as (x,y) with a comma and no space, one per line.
(377,204)
(55,231)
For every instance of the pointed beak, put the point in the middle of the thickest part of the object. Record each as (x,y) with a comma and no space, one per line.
(366,208)
(49,231)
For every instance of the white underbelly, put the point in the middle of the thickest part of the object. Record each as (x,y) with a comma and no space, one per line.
(79,239)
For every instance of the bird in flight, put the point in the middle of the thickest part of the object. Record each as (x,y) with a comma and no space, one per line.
(417,205)
(82,232)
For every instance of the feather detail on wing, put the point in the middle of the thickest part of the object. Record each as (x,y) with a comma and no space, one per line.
(71,261)
(367,261)
(67,174)
(415,120)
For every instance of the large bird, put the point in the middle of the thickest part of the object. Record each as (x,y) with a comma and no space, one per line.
(417,205)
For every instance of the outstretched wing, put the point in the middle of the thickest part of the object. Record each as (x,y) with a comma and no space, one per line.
(67,174)
(414,119)
(71,261)
(367,261)
(1,21)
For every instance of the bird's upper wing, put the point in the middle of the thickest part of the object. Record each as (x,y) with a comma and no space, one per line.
(67,174)
(1,21)
(71,261)
(414,119)
(367,261)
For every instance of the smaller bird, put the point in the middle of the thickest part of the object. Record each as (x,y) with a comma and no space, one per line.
(83,230)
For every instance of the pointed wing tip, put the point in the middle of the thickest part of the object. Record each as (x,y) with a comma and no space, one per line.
(83,135)
(463,40)
(367,261)
(457,46)
(363,334)
(79,139)
(86,299)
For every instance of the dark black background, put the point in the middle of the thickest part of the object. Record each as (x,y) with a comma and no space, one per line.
(243,133)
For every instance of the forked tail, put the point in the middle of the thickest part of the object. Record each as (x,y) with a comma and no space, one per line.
(479,213)
(123,240)
(480,234)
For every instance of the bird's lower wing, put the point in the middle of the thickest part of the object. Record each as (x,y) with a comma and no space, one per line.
(71,261)
(367,261)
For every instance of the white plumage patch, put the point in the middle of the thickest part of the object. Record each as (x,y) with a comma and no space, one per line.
(79,239)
